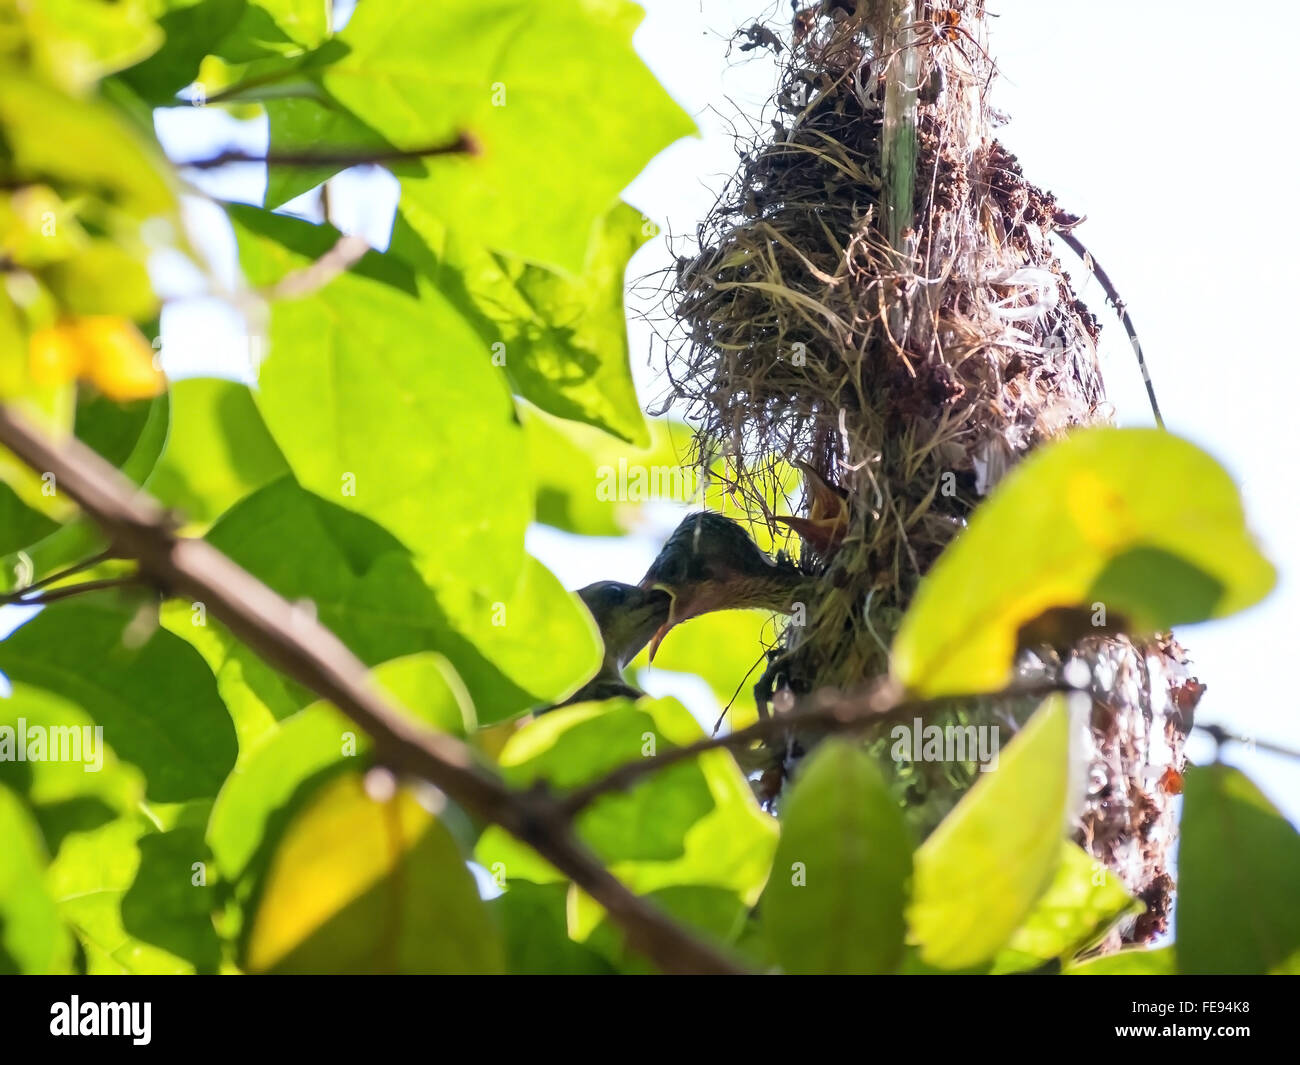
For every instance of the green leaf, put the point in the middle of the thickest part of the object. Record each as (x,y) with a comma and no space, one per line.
(590,483)
(20,525)
(1135,523)
(273,777)
(33,938)
(218,450)
(79,146)
(981,871)
(304,124)
(76,42)
(271,28)
(130,436)
(128,893)
(534,920)
(383,399)
(840,878)
(726,650)
(713,914)
(696,823)
(562,339)
(1159,962)
(529,649)
(1084,899)
(193,28)
(529,80)
(1239,864)
(157,702)
(102,278)
(280,763)
(372,887)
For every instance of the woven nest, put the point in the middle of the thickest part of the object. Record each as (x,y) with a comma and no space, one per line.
(911,373)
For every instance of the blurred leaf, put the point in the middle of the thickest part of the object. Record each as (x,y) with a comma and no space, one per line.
(1128,963)
(696,823)
(840,878)
(277,28)
(157,702)
(520,77)
(726,650)
(302,124)
(269,784)
(218,450)
(129,435)
(385,401)
(1104,518)
(193,28)
(106,350)
(712,914)
(1239,865)
(374,887)
(20,525)
(127,891)
(1084,899)
(533,918)
(32,936)
(282,763)
(104,278)
(76,42)
(79,145)
(981,871)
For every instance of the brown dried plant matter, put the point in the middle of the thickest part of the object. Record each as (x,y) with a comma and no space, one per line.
(906,379)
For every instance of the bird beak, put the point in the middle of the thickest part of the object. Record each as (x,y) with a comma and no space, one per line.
(666,627)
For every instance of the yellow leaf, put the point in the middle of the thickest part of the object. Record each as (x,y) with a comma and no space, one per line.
(106,350)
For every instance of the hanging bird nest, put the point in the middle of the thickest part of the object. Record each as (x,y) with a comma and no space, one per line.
(909,353)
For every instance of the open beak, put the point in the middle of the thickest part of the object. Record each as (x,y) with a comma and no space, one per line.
(667,626)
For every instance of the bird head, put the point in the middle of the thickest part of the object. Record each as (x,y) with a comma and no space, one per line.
(711,563)
(627,617)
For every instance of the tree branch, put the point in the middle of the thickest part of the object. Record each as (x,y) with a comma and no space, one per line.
(464,144)
(138,527)
(832,710)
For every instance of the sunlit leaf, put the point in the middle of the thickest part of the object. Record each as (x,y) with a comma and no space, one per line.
(384,400)
(1128,530)
(156,701)
(1083,899)
(522,651)
(696,823)
(359,885)
(218,450)
(520,77)
(981,871)
(33,938)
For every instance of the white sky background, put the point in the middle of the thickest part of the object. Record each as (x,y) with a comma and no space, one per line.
(1161,121)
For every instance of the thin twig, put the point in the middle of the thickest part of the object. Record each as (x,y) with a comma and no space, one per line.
(53,578)
(138,527)
(1121,309)
(464,144)
(831,710)
(67,591)
(1220,735)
